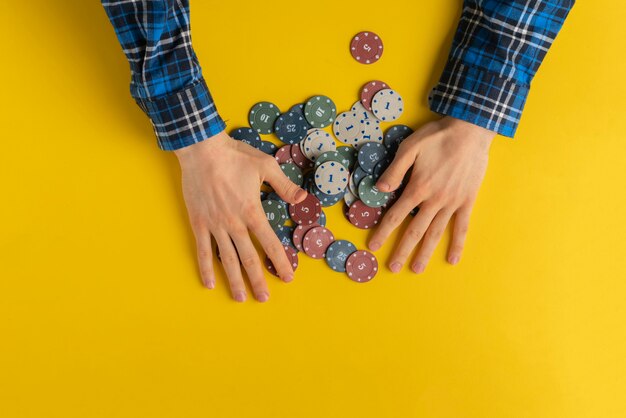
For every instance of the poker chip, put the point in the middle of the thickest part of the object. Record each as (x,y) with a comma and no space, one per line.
(316,241)
(387,105)
(246,135)
(331,177)
(337,254)
(368,91)
(322,219)
(361,266)
(299,108)
(283,155)
(329,156)
(274,213)
(262,117)
(320,111)
(267,147)
(298,157)
(349,197)
(274,196)
(370,154)
(325,199)
(316,143)
(306,212)
(291,127)
(370,195)
(395,135)
(347,128)
(352,186)
(363,216)
(358,174)
(285,234)
(381,167)
(371,132)
(348,156)
(292,172)
(299,232)
(292,256)
(366,47)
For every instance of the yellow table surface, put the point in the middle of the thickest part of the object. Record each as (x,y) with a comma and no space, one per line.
(101,310)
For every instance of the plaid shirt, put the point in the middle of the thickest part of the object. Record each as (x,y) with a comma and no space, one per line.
(497,49)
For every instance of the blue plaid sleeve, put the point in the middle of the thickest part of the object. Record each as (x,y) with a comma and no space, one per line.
(166,77)
(497,49)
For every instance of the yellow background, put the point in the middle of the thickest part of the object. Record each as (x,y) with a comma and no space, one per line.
(101,310)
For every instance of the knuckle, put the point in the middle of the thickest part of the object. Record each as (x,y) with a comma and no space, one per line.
(205,254)
(249,261)
(229,259)
(275,248)
(414,233)
(434,232)
(393,218)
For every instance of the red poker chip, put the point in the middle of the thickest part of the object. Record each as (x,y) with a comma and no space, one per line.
(317,241)
(292,256)
(283,155)
(362,216)
(299,232)
(366,47)
(361,266)
(306,212)
(299,158)
(369,90)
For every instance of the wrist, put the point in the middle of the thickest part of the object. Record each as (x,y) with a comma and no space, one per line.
(205,149)
(471,133)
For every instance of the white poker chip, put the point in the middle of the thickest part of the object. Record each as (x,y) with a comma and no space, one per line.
(347,128)
(309,137)
(348,196)
(317,143)
(387,105)
(371,132)
(361,112)
(331,177)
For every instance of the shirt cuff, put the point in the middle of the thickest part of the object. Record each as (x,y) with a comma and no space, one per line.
(479,97)
(183,118)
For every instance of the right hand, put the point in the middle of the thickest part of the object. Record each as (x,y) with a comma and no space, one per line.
(221,179)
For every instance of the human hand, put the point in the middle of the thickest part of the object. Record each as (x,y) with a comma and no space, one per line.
(449,159)
(221,179)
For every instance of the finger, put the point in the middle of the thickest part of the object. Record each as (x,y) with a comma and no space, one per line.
(251,263)
(230,261)
(394,217)
(431,239)
(412,236)
(393,175)
(285,188)
(272,246)
(459,233)
(205,258)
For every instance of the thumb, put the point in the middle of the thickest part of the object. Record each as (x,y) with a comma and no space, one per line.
(394,174)
(282,185)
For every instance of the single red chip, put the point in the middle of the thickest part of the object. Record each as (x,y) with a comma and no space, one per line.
(299,158)
(366,47)
(292,256)
(283,155)
(362,216)
(317,241)
(361,266)
(299,232)
(306,212)
(368,92)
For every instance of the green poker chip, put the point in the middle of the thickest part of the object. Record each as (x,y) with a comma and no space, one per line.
(370,195)
(320,111)
(329,156)
(262,117)
(293,172)
(349,156)
(274,212)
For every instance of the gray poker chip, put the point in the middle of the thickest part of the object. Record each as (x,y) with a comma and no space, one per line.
(348,156)
(320,111)
(291,127)
(274,196)
(247,135)
(267,147)
(274,212)
(357,175)
(329,156)
(337,254)
(284,234)
(395,135)
(262,117)
(293,172)
(299,108)
(370,154)
(370,195)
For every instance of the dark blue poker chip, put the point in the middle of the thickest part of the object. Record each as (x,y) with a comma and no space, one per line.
(395,135)
(274,196)
(337,254)
(247,135)
(358,175)
(291,127)
(322,219)
(381,166)
(267,147)
(284,234)
(370,154)
(325,199)
(299,108)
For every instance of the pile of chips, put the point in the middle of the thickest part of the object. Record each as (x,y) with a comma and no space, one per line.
(312,159)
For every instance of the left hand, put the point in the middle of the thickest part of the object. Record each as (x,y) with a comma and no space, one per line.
(449,159)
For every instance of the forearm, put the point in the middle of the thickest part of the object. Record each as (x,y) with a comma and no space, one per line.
(497,50)
(166,77)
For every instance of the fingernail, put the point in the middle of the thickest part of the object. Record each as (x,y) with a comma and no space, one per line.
(418,267)
(374,246)
(300,194)
(288,278)
(263,297)
(395,267)
(210,284)
(454,259)
(383,187)
(240,297)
